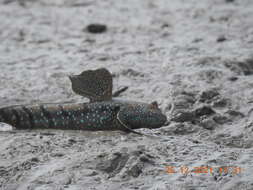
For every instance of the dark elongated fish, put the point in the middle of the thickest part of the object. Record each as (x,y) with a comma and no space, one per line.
(102,112)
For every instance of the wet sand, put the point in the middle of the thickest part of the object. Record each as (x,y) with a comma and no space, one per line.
(193,57)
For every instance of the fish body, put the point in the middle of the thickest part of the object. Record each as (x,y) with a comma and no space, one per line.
(102,113)
(81,116)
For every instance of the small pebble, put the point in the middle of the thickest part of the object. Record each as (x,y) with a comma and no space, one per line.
(229,1)
(205,110)
(221,38)
(233,78)
(96,28)
(208,95)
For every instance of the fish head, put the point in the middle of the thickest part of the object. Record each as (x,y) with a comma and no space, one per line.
(138,115)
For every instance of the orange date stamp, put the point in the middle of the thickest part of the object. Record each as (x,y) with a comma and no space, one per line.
(204,170)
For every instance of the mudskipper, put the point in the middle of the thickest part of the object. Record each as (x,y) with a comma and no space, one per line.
(103,112)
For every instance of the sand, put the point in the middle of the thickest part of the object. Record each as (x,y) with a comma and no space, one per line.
(193,57)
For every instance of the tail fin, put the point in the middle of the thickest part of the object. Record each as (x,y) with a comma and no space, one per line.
(3,125)
(5,116)
(1,116)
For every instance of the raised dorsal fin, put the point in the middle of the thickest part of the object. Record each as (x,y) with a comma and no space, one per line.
(93,84)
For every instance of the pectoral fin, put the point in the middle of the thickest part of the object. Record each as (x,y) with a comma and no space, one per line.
(93,84)
(123,122)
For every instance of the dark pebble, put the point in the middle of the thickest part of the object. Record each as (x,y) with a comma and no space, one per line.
(165,25)
(196,141)
(72,141)
(233,78)
(34,159)
(96,28)
(208,95)
(205,110)
(196,40)
(221,38)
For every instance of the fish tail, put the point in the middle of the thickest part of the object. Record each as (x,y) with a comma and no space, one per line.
(17,116)
(39,116)
(1,119)
(4,116)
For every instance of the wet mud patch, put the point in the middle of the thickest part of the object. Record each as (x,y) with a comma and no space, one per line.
(125,164)
(192,57)
(210,75)
(209,95)
(243,67)
(181,129)
(242,140)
